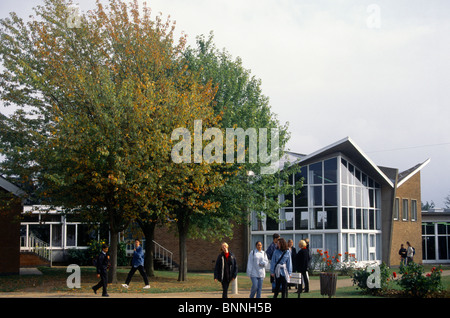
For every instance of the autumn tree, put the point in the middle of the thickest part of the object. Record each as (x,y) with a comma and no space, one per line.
(106,95)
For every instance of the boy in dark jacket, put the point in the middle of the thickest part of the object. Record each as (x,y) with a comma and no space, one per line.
(102,267)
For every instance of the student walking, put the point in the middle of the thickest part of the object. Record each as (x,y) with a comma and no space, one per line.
(226,269)
(256,269)
(137,263)
(281,268)
(102,267)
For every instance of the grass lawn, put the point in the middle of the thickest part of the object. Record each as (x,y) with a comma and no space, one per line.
(54,280)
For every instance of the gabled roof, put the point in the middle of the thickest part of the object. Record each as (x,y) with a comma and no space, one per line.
(350,149)
(405,175)
(8,186)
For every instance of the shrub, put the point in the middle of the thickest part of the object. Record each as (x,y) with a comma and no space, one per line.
(416,284)
(85,257)
(361,277)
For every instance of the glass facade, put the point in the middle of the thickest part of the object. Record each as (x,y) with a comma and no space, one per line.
(338,209)
(436,242)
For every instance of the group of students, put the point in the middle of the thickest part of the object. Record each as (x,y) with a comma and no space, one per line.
(281,257)
(406,254)
(283,260)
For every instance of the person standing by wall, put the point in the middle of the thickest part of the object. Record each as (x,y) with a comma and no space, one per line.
(410,253)
(402,252)
(281,268)
(256,269)
(102,265)
(226,269)
(137,263)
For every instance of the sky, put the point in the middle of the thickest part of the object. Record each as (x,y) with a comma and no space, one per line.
(376,71)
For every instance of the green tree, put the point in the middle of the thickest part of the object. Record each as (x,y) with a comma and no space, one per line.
(105,96)
(239,102)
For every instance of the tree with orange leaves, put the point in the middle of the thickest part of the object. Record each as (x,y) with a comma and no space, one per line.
(98,101)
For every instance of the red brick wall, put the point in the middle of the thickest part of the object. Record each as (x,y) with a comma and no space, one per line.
(10,209)
(202,254)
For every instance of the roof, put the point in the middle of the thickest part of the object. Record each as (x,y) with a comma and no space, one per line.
(8,186)
(405,175)
(350,149)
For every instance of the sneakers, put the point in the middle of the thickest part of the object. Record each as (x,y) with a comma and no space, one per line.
(126,286)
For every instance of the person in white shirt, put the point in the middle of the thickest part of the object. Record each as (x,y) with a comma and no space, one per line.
(256,269)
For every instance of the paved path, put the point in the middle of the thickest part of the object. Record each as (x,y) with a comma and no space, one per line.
(243,293)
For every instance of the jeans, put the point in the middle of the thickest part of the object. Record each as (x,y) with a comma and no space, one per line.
(257,283)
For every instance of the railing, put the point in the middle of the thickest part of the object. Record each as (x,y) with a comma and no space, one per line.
(159,252)
(36,246)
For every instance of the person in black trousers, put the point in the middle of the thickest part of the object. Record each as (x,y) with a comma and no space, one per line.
(137,263)
(302,262)
(226,269)
(102,267)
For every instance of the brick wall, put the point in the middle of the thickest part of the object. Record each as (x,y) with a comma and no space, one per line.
(409,230)
(10,209)
(202,254)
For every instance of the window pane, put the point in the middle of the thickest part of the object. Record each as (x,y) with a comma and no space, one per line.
(344,171)
(56,235)
(316,241)
(301,199)
(344,195)
(345,218)
(316,195)
(85,234)
(442,247)
(358,218)
(331,244)
(330,195)
(330,170)
(315,173)
(301,219)
(70,236)
(331,218)
(287,218)
(302,174)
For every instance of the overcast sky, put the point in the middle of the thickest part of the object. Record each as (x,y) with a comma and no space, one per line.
(377,71)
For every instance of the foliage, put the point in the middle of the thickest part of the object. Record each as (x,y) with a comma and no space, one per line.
(86,257)
(361,277)
(416,283)
(97,105)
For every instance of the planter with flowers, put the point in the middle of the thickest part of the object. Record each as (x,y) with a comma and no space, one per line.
(328,275)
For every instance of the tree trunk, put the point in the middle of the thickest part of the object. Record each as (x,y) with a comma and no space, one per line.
(114,243)
(183,228)
(149,232)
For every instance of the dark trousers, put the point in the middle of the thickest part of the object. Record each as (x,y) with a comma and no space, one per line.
(305,281)
(225,285)
(141,270)
(102,283)
(280,282)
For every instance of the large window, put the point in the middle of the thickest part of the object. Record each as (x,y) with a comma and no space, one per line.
(338,209)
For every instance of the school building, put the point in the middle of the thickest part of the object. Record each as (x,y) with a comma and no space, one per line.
(347,204)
